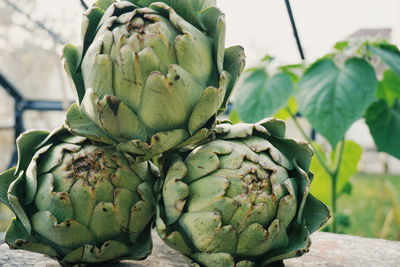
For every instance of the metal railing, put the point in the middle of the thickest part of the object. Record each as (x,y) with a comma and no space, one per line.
(21,105)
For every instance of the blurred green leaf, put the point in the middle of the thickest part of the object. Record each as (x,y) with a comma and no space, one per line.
(261,96)
(343,220)
(234,116)
(291,67)
(283,113)
(321,186)
(347,189)
(351,156)
(295,71)
(384,124)
(341,45)
(333,97)
(268,58)
(387,53)
(389,87)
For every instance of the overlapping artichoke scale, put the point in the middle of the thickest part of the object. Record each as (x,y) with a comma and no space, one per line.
(231,60)
(213,212)
(169,84)
(110,116)
(166,41)
(104,217)
(174,33)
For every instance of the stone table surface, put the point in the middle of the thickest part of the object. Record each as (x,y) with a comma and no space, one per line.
(328,249)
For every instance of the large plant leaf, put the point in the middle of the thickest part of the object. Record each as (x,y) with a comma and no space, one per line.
(333,97)
(389,87)
(388,54)
(321,186)
(261,96)
(384,124)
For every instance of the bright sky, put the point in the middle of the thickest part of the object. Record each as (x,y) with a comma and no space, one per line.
(263,26)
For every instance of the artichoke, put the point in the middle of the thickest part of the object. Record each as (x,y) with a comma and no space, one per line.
(77,201)
(242,199)
(150,76)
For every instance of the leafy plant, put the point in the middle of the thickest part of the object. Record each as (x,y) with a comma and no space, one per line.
(331,94)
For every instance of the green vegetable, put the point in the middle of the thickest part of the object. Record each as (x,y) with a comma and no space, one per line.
(77,201)
(150,76)
(242,199)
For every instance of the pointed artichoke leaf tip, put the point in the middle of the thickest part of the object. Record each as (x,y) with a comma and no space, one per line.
(274,126)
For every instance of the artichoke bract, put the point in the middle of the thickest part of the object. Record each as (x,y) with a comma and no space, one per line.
(242,199)
(150,76)
(77,201)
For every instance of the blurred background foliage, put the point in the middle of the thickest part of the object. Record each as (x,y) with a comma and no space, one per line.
(367,182)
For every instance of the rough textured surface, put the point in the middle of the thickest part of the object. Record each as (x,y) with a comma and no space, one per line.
(329,250)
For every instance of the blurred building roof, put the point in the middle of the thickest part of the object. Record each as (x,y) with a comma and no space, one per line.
(378,33)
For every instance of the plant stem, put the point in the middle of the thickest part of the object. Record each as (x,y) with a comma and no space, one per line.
(334,206)
(317,154)
(334,178)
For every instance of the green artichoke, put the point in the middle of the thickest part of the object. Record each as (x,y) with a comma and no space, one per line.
(77,201)
(242,199)
(150,76)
